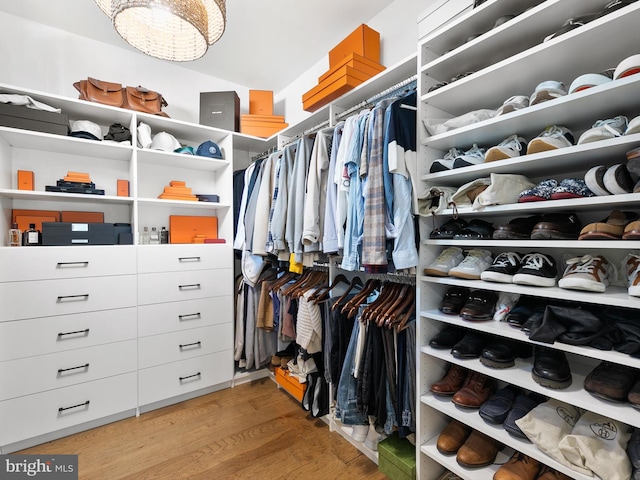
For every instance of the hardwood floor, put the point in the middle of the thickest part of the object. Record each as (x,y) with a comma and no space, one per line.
(252,431)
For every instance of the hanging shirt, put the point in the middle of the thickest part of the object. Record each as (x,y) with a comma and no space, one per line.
(296,200)
(238,242)
(341,178)
(329,231)
(279,219)
(269,247)
(263,207)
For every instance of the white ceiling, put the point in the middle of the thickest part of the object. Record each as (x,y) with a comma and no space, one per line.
(273,41)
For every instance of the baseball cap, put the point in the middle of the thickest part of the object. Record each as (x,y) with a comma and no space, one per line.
(118,133)
(209,149)
(164,141)
(186,150)
(144,135)
(86,129)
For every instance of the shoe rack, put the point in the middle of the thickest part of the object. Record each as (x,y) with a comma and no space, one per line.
(504,61)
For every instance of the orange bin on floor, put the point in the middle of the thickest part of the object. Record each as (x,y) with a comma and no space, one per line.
(290,384)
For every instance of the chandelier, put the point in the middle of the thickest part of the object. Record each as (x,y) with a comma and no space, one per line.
(175,30)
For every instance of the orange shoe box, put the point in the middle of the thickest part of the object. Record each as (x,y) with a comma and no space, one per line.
(357,62)
(187,228)
(329,92)
(363,40)
(247,117)
(123,188)
(25,180)
(342,72)
(81,217)
(261,102)
(290,384)
(24,217)
(262,131)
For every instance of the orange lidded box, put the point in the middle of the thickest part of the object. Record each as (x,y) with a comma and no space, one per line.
(363,40)
(261,102)
(290,384)
(189,229)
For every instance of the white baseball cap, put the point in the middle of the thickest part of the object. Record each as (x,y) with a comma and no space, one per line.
(165,141)
(86,129)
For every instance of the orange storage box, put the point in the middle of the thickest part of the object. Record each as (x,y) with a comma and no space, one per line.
(357,62)
(290,384)
(363,40)
(262,131)
(261,102)
(187,228)
(262,118)
(330,92)
(24,217)
(342,72)
(81,217)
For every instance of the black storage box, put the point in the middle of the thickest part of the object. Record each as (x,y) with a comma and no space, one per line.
(220,110)
(18,116)
(66,233)
(122,234)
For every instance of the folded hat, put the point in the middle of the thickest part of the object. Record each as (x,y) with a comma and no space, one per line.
(118,133)
(209,149)
(86,129)
(164,141)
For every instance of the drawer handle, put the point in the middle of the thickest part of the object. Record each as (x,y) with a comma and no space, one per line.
(192,286)
(188,259)
(190,376)
(72,264)
(194,344)
(85,333)
(62,370)
(83,404)
(190,316)
(73,298)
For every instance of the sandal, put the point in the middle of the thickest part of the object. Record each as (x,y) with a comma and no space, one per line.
(611,228)
(448,229)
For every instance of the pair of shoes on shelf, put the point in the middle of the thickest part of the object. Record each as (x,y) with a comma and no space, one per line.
(609,180)
(533,269)
(551,189)
(524,467)
(454,262)
(614,227)
(459,229)
(551,368)
(467,388)
(614,382)
(455,158)
(472,448)
(477,305)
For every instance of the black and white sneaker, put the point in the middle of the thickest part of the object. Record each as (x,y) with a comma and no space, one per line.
(538,270)
(503,269)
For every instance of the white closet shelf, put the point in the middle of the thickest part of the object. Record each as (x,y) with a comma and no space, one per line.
(183,130)
(538,244)
(63,197)
(503,329)
(346,431)
(471,418)
(614,296)
(520,376)
(160,202)
(180,160)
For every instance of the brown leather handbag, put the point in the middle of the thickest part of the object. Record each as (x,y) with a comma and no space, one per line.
(138,98)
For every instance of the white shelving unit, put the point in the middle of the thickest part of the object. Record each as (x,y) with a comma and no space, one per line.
(509,60)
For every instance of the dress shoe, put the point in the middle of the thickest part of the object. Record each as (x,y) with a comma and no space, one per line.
(476,390)
(634,395)
(522,405)
(551,368)
(610,381)
(479,450)
(633,448)
(451,382)
(452,437)
(480,306)
(470,346)
(548,473)
(446,338)
(503,353)
(453,300)
(496,409)
(518,467)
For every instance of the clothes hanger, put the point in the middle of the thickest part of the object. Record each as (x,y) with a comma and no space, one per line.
(351,307)
(410,312)
(323,293)
(394,314)
(288,290)
(282,281)
(398,296)
(386,295)
(355,282)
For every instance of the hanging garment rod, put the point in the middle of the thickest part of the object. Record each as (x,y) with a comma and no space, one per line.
(263,154)
(307,132)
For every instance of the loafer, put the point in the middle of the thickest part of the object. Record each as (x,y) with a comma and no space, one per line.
(496,409)
(517,229)
(521,312)
(557,226)
(522,405)
(634,395)
(551,368)
(476,230)
(451,382)
(518,467)
(610,381)
(503,353)
(452,437)
(470,346)
(480,306)
(453,300)
(476,390)
(446,338)
(478,451)
(448,229)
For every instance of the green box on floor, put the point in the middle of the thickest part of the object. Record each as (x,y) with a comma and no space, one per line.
(397,458)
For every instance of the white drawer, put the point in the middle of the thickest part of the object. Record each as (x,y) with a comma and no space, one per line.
(56,370)
(42,263)
(172,347)
(46,298)
(173,379)
(39,336)
(171,317)
(176,258)
(176,286)
(34,415)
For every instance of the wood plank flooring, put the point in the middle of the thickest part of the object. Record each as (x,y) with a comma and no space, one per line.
(252,431)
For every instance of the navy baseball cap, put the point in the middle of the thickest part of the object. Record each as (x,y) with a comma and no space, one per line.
(209,149)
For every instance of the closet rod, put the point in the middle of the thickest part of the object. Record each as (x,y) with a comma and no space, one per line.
(263,154)
(307,131)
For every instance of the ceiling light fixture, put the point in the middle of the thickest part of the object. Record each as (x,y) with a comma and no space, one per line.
(175,30)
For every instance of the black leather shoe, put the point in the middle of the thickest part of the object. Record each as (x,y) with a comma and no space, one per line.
(610,381)
(480,306)
(453,300)
(470,346)
(447,337)
(551,368)
(503,353)
(522,405)
(496,409)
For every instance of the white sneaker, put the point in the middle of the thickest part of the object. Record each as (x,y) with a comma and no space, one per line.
(476,262)
(552,138)
(508,148)
(373,438)
(446,162)
(359,432)
(448,258)
(473,156)
(632,267)
(587,273)
(511,104)
(605,129)
(503,269)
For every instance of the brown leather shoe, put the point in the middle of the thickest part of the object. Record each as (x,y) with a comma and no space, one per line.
(548,473)
(452,437)
(479,450)
(476,390)
(519,467)
(451,382)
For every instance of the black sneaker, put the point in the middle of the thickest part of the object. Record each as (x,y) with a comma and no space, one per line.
(538,270)
(503,268)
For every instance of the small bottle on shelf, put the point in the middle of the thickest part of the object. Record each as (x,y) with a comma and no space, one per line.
(15,236)
(154,236)
(144,236)
(164,235)
(31,237)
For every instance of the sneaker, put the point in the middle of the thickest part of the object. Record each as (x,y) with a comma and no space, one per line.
(511,104)
(628,66)
(571,188)
(552,138)
(503,268)
(587,273)
(359,432)
(448,258)
(632,267)
(538,270)
(473,156)
(633,126)
(589,80)
(542,191)
(594,180)
(445,163)
(373,438)
(618,180)
(605,129)
(548,90)
(508,148)
(473,265)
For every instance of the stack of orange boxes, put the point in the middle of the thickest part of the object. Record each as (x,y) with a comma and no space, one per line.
(351,62)
(178,190)
(260,121)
